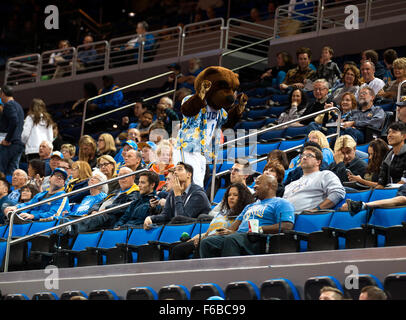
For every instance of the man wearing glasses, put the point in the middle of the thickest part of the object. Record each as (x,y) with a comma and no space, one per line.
(50,209)
(315,190)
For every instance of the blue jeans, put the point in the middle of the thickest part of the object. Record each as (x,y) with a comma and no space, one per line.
(355,133)
(10,157)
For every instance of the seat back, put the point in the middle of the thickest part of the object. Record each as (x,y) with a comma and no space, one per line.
(362,280)
(200,228)
(296,131)
(16,296)
(356,196)
(19,230)
(45,296)
(242,290)
(281,288)
(272,134)
(265,148)
(109,238)
(379,194)
(387,217)
(172,233)
(67,295)
(86,239)
(291,143)
(203,291)
(3,229)
(139,236)
(38,226)
(313,286)
(219,195)
(103,294)
(309,222)
(175,292)
(395,285)
(141,293)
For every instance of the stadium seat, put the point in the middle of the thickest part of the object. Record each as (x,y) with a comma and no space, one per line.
(127,252)
(363,147)
(242,290)
(141,293)
(64,258)
(45,296)
(96,255)
(200,228)
(103,294)
(174,292)
(358,282)
(356,196)
(67,295)
(272,134)
(219,195)
(296,131)
(16,296)
(395,285)
(3,229)
(291,143)
(282,289)
(313,286)
(253,124)
(380,194)
(202,291)
(264,148)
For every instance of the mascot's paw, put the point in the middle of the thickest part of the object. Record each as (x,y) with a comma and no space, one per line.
(204,88)
(242,102)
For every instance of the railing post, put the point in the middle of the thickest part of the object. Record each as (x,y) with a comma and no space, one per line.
(320,13)
(107,56)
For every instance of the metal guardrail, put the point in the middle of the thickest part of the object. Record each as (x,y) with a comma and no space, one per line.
(12,214)
(24,69)
(256,133)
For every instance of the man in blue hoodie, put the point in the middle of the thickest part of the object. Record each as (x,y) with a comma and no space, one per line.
(51,209)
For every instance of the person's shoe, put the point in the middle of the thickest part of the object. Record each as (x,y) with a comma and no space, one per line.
(354,206)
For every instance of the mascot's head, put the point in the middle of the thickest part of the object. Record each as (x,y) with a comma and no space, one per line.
(224,84)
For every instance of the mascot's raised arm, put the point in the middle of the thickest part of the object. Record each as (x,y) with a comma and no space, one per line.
(215,105)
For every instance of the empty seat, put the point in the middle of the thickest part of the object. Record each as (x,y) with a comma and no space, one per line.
(264,148)
(379,194)
(202,291)
(174,292)
(282,289)
(362,280)
(395,285)
(242,290)
(296,131)
(16,296)
(272,134)
(103,294)
(141,293)
(67,295)
(313,286)
(45,296)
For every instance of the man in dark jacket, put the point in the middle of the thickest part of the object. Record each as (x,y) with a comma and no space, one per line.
(186,199)
(394,165)
(11,127)
(139,208)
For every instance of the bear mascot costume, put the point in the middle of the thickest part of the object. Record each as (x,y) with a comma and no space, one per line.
(214,107)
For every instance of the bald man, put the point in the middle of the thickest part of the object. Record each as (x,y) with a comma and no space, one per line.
(18,180)
(274,215)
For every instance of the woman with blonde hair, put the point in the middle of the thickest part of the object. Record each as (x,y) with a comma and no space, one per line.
(164,163)
(390,90)
(106,145)
(37,127)
(108,166)
(87,150)
(321,140)
(81,172)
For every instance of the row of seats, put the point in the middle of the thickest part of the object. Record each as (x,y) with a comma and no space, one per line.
(272,289)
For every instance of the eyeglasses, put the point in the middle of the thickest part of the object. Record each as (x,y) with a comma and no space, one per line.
(101,139)
(307,155)
(319,89)
(102,165)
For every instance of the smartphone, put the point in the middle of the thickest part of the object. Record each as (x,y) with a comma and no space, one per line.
(349,172)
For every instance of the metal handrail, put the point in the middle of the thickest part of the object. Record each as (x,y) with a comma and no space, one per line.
(309,116)
(114,91)
(12,214)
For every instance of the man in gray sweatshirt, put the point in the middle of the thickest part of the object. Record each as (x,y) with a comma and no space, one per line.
(315,190)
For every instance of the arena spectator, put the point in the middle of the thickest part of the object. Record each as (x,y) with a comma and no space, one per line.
(142,36)
(50,166)
(18,180)
(330,293)
(89,91)
(61,59)
(11,123)
(106,145)
(164,162)
(351,83)
(390,90)
(401,110)
(367,71)
(110,101)
(88,54)
(298,104)
(368,116)
(139,209)
(345,160)
(372,56)
(377,151)
(273,214)
(4,199)
(372,293)
(49,210)
(36,172)
(81,172)
(315,190)
(389,56)
(87,150)
(148,150)
(45,150)
(185,199)
(296,77)
(279,156)
(37,126)
(145,124)
(328,69)
(133,160)
(68,151)
(131,120)
(27,193)
(165,115)
(128,145)
(108,166)
(188,80)
(235,199)
(274,168)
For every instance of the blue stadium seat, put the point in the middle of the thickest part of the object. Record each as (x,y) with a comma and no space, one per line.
(359,281)
(379,194)
(127,252)
(45,296)
(264,148)
(219,195)
(67,295)
(19,230)
(202,291)
(291,143)
(281,288)
(250,124)
(103,294)
(96,255)
(313,286)
(363,147)
(395,285)
(141,293)
(272,134)
(3,229)
(200,228)
(259,166)
(296,131)
(175,292)
(242,290)
(356,195)
(16,296)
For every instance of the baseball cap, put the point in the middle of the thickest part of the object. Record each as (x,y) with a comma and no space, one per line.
(57,154)
(65,174)
(132,144)
(149,144)
(401,103)
(175,66)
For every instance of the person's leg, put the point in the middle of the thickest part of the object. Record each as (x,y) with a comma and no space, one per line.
(237,244)
(211,246)
(355,133)
(182,250)
(356,206)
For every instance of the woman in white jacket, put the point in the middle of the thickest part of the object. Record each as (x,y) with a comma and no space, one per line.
(37,128)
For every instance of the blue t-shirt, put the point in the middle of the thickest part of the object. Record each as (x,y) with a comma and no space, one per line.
(87,203)
(268,212)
